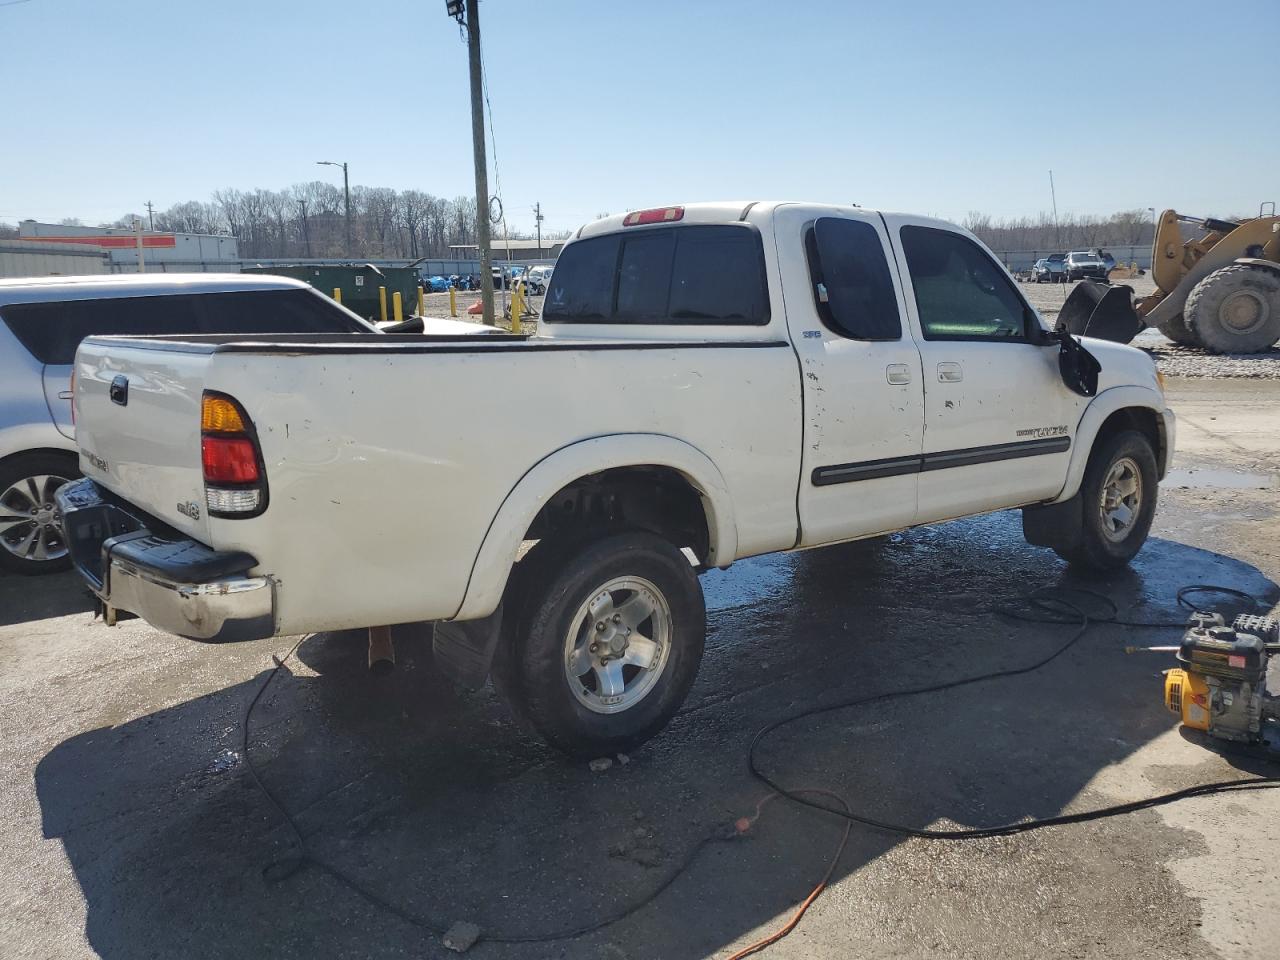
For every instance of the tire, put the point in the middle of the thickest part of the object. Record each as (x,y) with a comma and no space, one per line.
(31,544)
(1236,309)
(551,609)
(1176,329)
(1116,460)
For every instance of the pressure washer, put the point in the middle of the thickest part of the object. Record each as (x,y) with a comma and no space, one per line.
(1221,685)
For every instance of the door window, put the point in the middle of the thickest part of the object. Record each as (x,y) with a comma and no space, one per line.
(961,294)
(852,286)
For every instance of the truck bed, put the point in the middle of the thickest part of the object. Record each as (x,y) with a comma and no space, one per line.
(387,458)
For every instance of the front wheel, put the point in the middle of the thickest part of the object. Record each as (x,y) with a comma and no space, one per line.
(1118,502)
(604,642)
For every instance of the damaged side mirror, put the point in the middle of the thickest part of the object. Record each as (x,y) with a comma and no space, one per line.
(1078,367)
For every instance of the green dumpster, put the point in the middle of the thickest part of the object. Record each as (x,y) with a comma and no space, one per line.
(358,282)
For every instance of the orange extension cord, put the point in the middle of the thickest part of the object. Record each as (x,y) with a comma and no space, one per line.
(745,824)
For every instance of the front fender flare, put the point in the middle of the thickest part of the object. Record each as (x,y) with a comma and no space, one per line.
(1095,415)
(492,566)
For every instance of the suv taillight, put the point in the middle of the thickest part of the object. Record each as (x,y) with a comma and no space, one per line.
(235,480)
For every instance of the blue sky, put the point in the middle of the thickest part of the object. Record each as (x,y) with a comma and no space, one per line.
(931,107)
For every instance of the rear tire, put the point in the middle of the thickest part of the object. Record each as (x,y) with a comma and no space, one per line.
(1176,329)
(603,641)
(1236,309)
(30,526)
(1118,502)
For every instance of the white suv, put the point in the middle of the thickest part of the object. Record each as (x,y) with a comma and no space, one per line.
(43,320)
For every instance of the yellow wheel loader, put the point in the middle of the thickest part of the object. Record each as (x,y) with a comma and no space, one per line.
(1220,291)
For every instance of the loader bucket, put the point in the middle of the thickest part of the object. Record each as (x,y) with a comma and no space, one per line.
(1098,310)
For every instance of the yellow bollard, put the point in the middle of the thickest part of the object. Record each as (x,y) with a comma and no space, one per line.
(517,308)
(337,294)
(422,302)
(453,302)
(397,307)
(382,303)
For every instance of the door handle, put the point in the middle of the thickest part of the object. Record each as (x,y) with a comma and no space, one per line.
(897,373)
(65,394)
(950,372)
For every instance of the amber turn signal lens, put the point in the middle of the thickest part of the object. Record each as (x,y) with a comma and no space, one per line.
(220,415)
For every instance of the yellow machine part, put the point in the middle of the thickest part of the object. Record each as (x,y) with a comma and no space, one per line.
(1178,265)
(1187,695)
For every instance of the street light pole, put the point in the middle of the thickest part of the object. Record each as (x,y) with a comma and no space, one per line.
(346,193)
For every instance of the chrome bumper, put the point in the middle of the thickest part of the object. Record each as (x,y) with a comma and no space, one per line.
(177,585)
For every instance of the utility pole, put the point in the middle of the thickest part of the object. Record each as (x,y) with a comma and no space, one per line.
(1057,230)
(471,18)
(346,194)
(151,220)
(537,219)
(306,232)
(137,238)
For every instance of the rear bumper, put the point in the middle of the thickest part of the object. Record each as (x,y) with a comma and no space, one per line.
(175,584)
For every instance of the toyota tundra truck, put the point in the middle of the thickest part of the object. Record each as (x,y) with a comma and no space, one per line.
(707,383)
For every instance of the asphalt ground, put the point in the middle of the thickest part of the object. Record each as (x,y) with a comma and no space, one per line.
(130,826)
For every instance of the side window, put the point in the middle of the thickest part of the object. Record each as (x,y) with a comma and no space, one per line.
(644,277)
(960,292)
(852,286)
(272,311)
(53,331)
(582,287)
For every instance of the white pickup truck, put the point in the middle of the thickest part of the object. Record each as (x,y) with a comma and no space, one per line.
(713,381)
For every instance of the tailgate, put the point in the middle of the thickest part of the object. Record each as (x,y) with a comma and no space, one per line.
(138,427)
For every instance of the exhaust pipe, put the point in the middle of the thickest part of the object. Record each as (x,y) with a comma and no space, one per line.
(1102,311)
(382,655)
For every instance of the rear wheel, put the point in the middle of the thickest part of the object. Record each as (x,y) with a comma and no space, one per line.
(604,642)
(1118,501)
(30,526)
(1236,309)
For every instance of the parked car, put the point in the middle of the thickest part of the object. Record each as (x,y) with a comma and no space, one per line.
(41,323)
(1082,264)
(720,349)
(539,279)
(1048,270)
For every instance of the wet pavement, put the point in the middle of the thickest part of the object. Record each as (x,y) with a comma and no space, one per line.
(130,827)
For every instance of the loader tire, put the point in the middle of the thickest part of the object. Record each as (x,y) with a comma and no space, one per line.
(1175,328)
(1236,309)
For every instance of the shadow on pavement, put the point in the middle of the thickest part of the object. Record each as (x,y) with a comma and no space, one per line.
(21,601)
(435,800)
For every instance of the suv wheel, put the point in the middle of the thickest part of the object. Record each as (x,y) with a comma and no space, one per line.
(604,642)
(1118,500)
(30,525)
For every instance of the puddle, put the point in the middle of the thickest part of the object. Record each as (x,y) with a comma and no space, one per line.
(1196,478)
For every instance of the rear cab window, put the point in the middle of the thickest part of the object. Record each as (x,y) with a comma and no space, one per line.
(52,330)
(694,274)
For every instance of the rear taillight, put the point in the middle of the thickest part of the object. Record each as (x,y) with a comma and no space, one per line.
(235,482)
